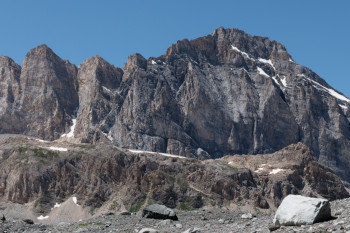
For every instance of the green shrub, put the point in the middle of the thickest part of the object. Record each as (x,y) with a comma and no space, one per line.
(136,207)
(184,206)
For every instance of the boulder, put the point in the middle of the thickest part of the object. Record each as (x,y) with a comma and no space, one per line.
(247,216)
(193,230)
(296,210)
(158,212)
(125,213)
(28,221)
(148,230)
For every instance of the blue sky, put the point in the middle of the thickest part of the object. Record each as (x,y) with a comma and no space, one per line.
(316,33)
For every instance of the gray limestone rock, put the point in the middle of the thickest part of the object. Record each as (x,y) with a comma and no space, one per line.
(148,230)
(296,210)
(158,212)
(224,93)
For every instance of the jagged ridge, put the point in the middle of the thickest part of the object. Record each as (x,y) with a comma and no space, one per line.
(224,93)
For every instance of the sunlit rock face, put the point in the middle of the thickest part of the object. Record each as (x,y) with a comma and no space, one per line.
(225,93)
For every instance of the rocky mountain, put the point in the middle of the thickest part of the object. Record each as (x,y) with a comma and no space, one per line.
(40,97)
(224,93)
(106,177)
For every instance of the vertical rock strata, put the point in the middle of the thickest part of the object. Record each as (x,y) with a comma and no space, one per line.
(225,93)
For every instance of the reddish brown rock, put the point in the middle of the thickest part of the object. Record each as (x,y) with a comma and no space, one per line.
(104,174)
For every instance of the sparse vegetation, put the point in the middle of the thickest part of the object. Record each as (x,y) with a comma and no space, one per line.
(136,207)
(184,206)
(39,152)
(167,177)
(182,182)
(91,223)
(87,146)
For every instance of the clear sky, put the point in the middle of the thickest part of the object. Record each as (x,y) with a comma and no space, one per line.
(315,32)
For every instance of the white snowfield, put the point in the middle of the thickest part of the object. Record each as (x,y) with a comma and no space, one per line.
(71,132)
(156,153)
(105,89)
(56,205)
(153,62)
(343,106)
(267,62)
(75,200)
(42,217)
(284,81)
(276,170)
(55,148)
(241,52)
(109,135)
(39,140)
(262,72)
(272,172)
(328,90)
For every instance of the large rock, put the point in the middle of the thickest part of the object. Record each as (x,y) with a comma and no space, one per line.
(148,230)
(296,210)
(158,212)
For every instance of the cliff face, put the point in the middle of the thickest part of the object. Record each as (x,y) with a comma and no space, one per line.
(98,95)
(225,93)
(119,179)
(10,89)
(41,96)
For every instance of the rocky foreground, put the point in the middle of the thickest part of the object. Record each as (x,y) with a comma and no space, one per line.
(201,220)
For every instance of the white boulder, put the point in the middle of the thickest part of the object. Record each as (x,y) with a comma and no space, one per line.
(296,210)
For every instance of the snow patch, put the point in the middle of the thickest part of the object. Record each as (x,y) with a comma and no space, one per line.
(109,136)
(42,217)
(262,72)
(244,69)
(275,171)
(284,81)
(157,153)
(75,200)
(291,60)
(56,205)
(153,62)
(261,167)
(241,52)
(106,89)
(39,140)
(71,132)
(267,62)
(343,106)
(328,90)
(276,81)
(55,148)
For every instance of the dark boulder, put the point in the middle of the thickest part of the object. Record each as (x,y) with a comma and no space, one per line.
(157,211)
(28,221)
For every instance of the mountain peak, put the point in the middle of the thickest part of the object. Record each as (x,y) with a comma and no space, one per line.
(7,61)
(42,51)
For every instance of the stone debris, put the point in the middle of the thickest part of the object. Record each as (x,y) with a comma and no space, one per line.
(190,221)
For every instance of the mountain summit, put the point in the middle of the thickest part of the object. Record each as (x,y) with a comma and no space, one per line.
(224,93)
